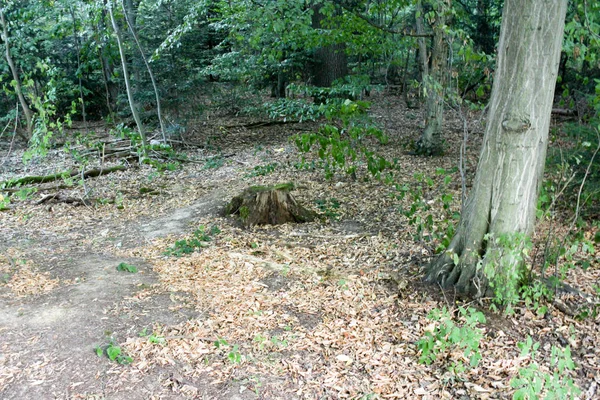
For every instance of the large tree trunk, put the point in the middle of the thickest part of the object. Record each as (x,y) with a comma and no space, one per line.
(330,62)
(17,80)
(434,84)
(504,195)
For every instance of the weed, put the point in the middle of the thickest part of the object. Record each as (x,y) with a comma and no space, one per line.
(262,170)
(505,266)
(328,207)
(446,335)
(432,222)
(124,267)
(4,202)
(199,239)
(114,353)
(214,162)
(533,383)
(234,354)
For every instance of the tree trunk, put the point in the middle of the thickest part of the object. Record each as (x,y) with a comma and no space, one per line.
(26,110)
(273,205)
(504,195)
(434,84)
(79,72)
(154,85)
(330,61)
(128,88)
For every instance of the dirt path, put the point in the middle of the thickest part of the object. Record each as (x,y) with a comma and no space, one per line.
(48,340)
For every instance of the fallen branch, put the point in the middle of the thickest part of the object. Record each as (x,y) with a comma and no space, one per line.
(92,173)
(261,124)
(564,112)
(60,198)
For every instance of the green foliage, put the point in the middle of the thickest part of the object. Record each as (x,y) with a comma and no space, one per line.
(328,207)
(505,266)
(114,353)
(432,223)
(534,383)
(153,338)
(199,239)
(215,162)
(456,330)
(234,354)
(124,267)
(341,147)
(262,170)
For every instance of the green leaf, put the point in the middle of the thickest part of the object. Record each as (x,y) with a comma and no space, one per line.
(124,267)
(113,352)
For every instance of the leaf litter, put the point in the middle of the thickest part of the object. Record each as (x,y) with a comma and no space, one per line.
(331,309)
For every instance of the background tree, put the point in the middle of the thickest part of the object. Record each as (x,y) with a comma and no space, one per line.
(500,211)
(15,74)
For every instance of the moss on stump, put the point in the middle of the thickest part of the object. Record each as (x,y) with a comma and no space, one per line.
(262,205)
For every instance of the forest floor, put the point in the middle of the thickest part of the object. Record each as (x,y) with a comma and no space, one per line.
(322,310)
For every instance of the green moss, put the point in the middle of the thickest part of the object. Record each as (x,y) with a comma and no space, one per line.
(281,186)
(244,212)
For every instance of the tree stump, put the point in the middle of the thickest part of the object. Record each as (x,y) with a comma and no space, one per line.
(262,205)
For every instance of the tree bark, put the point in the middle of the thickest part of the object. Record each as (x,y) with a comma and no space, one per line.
(434,83)
(330,61)
(504,195)
(79,72)
(26,110)
(128,88)
(132,29)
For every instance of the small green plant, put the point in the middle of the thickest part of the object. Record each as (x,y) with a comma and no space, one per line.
(4,201)
(450,332)
(199,239)
(234,354)
(262,170)
(214,162)
(433,223)
(114,353)
(534,383)
(124,267)
(505,267)
(536,296)
(25,193)
(328,207)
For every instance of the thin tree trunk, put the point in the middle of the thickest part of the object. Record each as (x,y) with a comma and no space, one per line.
(503,200)
(26,110)
(134,111)
(434,84)
(77,49)
(423,58)
(137,42)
